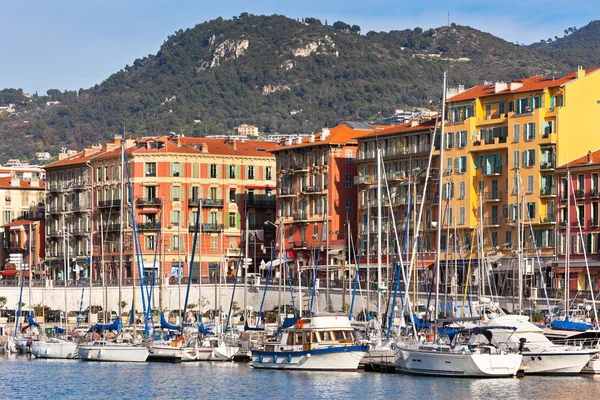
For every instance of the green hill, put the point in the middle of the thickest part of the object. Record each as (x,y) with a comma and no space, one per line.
(279,74)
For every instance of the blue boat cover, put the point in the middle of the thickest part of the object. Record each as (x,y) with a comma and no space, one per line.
(566,325)
(100,328)
(59,330)
(203,330)
(288,322)
(419,323)
(165,325)
(32,321)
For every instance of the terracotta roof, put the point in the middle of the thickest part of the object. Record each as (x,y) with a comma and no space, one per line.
(535,83)
(225,147)
(592,158)
(78,158)
(23,184)
(346,132)
(20,222)
(403,128)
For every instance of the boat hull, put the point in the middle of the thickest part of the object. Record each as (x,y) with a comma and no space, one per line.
(113,353)
(55,349)
(457,364)
(328,359)
(556,363)
(187,354)
(593,366)
(224,353)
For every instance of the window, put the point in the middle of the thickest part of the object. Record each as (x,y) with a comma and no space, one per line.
(213,170)
(494,239)
(268,173)
(175,169)
(501,108)
(449,140)
(250,172)
(516,159)
(290,234)
(348,180)
(448,165)
(488,110)
(448,190)
(529,158)
(175,240)
(594,182)
(348,204)
(461,189)
(461,164)
(530,210)
(529,183)
(523,105)
(508,239)
(7,216)
(461,139)
(581,215)
(529,131)
(151,169)
(580,182)
(232,195)
(150,242)
(214,243)
(461,215)
(175,217)
(349,157)
(195,193)
(232,172)
(232,218)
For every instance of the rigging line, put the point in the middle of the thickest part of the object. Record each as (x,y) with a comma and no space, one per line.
(356,273)
(190,266)
(317,264)
(462,313)
(273,250)
(239,266)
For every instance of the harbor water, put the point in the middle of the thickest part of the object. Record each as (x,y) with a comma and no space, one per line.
(24,378)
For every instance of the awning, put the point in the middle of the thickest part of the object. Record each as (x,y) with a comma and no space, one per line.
(148,211)
(9,273)
(256,187)
(17,228)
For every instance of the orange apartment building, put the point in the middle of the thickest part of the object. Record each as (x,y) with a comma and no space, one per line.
(316,197)
(170,176)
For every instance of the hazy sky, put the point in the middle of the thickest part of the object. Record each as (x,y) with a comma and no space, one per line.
(72,44)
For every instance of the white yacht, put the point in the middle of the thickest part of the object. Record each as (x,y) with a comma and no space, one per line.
(540,355)
(101,350)
(466,356)
(322,342)
(175,347)
(54,348)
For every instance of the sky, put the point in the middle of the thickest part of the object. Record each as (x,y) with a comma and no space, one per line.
(73,44)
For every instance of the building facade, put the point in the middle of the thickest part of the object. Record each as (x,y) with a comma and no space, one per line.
(502,143)
(316,198)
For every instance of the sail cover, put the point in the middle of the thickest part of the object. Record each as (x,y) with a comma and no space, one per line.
(100,328)
(165,325)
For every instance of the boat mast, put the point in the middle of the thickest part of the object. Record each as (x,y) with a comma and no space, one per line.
(66,267)
(568,244)
(245,270)
(104,278)
(199,218)
(378,232)
(439,216)
(121,235)
(519,243)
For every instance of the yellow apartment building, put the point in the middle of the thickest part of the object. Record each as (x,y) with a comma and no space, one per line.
(502,143)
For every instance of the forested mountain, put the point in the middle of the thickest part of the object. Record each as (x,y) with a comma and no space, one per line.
(280,74)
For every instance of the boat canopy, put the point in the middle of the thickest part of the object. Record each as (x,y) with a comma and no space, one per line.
(59,330)
(203,330)
(100,328)
(165,325)
(566,325)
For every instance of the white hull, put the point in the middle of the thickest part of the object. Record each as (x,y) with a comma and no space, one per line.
(113,352)
(457,363)
(224,353)
(187,353)
(54,348)
(338,361)
(593,366)
(560,363)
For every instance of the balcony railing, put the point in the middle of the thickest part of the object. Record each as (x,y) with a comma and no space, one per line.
(548,191)
(580,194)
(210,227)
(547,219)
(492,171)
(593,222)
(148,226)
(301,216)
(300,244)
(594,193)
(493,221)
(362,180)
(81,185)
(547,165)
(154,201)
(260,201)
(81,231)
(109,203)
(494,195)
(286,191)
(313,189)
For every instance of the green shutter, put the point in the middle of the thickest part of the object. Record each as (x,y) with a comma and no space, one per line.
(237,220)
(237,172)
(171,169)
(511,106)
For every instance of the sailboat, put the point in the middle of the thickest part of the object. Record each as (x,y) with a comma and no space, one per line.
(467,355)
(118,350)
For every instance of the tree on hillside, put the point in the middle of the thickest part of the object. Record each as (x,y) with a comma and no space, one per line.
(341,25)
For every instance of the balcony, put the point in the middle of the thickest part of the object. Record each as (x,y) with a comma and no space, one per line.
(80,208)
(362,180)
(55,234)
(300,216)
(210,227)
(548,191)
(494,195)
(81,185)
(315,189)
(81,231)
(395,176)
(142,202)
(109,203)
(260,201)
(300,245)
(580,194)
(148,226)
(494,171)
(547,219)
(300,168)
(212,202)
(547,165)
(492,222)
(54,187)
(287,192)
(54,210)
(594,194)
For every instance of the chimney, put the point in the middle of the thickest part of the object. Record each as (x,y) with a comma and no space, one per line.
(204,147)
(299,140)
(311,138)
(500,87)
(324,134)
(15,182)
(514,85)
(589,157)
(34,182)
(580,72)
